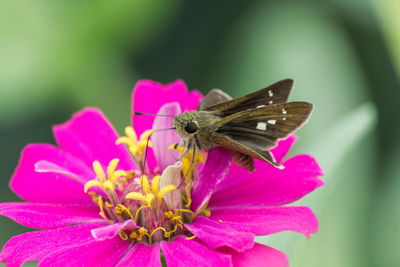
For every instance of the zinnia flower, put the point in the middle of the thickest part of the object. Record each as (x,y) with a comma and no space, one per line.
(102,200)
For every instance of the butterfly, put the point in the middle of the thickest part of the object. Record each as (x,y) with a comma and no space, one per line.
(248,126)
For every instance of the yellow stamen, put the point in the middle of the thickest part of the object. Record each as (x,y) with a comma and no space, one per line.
(168,214)
(137,212)
(187,159)
(185,210)
(130,140)
(189,200)
(203,210)
(123,235)
(150,199)
(99,202)
(145,184)
(124,140)
(108,186)
(164,191)
(106,183)
(174,218)
(207,213)
(120,209)
(130,133)
(92,183)
(136,196)
(158,228)
(115,175)
(190,238)
(99,171)
(139,233)
(168,234)
(155,184)
(111,167)
(150,194)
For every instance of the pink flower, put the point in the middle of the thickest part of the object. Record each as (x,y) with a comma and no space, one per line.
(96,208)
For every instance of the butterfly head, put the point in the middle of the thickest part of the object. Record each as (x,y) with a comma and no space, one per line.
(185,124)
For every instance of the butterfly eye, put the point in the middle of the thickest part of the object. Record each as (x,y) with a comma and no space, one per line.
(191,127)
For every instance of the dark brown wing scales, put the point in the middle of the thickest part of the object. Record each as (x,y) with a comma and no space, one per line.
(254,131)
(261,128)
(274,94)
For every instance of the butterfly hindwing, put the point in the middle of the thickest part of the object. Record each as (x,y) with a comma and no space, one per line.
(243,154)
(215,96)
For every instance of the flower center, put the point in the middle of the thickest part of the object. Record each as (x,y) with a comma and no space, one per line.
(158,204)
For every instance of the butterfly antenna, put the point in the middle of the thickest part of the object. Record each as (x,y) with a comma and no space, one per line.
(157,115)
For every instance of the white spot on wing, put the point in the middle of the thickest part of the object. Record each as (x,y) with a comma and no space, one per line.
(284,111)
(262,126)
(271,121)
(284,118)
(260,106)
(270,102)
(270,93)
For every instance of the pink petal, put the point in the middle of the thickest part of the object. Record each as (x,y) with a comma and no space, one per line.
(35,246)
(112,230)
(216,234)
(142,255)
(50,187)
(92,253)
(215,170)
(269,186)
(260,256)
(163,139)
(183,252)
(89,136)
(265,221)
(283,147)
(45,216)
(149,96)
(45,166)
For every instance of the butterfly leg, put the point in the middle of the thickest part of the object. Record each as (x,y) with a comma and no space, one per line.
(187,149)
(190,167)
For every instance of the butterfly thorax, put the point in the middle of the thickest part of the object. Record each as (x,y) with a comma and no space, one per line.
(196,129)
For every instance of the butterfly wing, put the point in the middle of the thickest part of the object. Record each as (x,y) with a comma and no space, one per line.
(224,106)
(259,129)
(215,96)
(243,154)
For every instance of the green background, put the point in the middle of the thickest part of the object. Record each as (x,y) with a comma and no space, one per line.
(59,56)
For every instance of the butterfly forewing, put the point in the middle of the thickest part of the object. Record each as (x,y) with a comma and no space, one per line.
(274,94)
(261,128)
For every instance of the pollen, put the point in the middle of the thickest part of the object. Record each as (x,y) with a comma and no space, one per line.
(139,234)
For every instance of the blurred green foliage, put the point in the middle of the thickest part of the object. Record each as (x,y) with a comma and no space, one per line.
(59,56)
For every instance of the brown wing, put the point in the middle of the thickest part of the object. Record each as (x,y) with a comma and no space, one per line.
(261,128)
(215,96)
(274,94)
(246,161)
